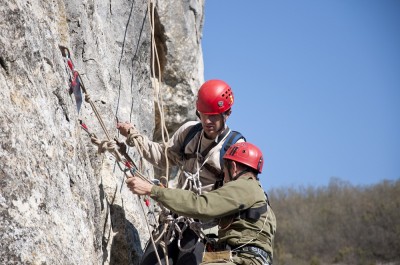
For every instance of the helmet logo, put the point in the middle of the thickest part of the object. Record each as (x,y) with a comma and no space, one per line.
(230,99)
(220,103)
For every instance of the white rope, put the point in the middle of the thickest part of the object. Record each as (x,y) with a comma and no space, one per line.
(137,140)
(156,86)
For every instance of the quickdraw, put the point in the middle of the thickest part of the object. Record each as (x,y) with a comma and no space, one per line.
(74,78)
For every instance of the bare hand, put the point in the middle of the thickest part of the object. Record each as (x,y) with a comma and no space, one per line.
(139,186)
(124,128)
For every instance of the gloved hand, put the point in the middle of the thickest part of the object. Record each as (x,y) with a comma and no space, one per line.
(125,128)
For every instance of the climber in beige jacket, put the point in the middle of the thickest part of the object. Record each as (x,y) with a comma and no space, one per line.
(197,148)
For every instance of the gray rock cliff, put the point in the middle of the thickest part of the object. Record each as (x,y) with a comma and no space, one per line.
(60,201)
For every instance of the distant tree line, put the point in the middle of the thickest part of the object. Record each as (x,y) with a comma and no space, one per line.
(337,224)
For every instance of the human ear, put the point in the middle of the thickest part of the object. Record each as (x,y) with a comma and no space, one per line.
(234,168)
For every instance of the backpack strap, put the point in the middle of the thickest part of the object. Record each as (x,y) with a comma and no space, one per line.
(192,132)
(232,138)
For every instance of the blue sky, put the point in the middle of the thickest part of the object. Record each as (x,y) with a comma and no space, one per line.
(316,84)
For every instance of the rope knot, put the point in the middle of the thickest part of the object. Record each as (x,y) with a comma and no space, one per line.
(105,145)
(136,139)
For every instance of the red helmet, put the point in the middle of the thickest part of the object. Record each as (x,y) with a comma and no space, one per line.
(214,97)
(247,154)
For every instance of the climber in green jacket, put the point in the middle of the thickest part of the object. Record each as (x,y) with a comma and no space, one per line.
(247,223)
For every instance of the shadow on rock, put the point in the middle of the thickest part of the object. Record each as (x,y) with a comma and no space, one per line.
(125,247)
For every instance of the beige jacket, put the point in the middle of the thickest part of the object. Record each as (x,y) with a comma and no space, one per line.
(154,153)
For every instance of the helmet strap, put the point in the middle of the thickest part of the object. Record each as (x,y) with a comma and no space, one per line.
(229,167)
(241,173)
(223,123)
(224,116)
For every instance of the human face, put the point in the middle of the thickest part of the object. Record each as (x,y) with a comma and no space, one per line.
(212,124)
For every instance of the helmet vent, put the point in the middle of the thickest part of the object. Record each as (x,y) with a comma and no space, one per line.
(233,151)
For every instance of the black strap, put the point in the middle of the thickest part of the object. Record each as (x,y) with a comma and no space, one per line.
(192,132)
(213,170)
(254,214)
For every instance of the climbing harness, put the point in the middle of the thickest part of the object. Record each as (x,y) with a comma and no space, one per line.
(264,256)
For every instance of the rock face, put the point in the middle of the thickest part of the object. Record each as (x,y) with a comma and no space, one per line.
(60,201)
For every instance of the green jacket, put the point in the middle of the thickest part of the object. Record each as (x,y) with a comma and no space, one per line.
(225,204)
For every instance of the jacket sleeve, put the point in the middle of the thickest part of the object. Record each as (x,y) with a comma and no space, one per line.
(229,199)
(155,152)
